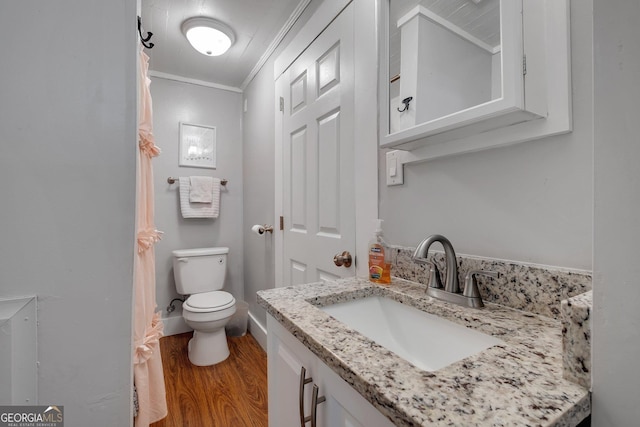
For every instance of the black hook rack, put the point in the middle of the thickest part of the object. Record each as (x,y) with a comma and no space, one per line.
(406,102)
(145,40)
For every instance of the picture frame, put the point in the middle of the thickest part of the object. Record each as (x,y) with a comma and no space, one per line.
(197,146)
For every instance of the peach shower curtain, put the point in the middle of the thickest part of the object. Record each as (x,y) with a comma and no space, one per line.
(147,362)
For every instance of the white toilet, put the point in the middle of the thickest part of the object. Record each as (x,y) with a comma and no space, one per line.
(200,274)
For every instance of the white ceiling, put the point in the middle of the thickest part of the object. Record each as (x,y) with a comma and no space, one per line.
(255,23)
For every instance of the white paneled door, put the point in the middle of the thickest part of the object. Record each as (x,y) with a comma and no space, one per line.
(314,132)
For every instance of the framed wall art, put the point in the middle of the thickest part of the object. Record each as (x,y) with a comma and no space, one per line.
(197,146)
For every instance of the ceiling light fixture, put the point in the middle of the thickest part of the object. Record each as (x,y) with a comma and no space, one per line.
(208,36)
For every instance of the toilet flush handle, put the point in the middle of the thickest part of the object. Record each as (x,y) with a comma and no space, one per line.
(183,259)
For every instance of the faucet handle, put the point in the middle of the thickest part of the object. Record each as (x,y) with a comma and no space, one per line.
(434,277)
(471,284)
(434,274)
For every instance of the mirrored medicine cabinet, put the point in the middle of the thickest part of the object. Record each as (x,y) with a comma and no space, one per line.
(451,70)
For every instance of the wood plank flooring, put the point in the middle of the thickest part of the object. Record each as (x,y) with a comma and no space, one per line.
(232,393)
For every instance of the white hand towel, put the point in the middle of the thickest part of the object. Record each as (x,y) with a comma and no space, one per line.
(201,190)
(199,210)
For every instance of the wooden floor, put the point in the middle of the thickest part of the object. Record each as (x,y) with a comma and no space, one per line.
(232,393)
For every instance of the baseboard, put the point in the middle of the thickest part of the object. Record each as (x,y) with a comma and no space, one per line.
(258,331)
(174,325)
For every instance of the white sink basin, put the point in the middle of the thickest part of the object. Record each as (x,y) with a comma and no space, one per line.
(427,341)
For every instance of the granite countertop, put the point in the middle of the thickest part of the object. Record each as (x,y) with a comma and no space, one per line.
(518,383)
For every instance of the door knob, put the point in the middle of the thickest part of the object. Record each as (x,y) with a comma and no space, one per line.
(343,259)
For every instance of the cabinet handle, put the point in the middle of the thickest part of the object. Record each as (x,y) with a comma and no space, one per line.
(315,401)
(303,382)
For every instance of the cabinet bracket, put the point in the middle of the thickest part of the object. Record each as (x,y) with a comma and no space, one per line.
(396,159)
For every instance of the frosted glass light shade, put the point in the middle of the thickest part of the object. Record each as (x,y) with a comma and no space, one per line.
(208,36)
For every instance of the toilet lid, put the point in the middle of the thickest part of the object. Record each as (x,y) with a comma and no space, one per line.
(215,300)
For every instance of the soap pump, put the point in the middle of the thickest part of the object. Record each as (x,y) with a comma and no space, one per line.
(379,257)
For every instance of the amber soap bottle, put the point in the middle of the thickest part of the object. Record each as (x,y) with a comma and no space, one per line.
(379,257)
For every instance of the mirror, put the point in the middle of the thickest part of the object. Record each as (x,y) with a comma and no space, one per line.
(444,57)
(451,69)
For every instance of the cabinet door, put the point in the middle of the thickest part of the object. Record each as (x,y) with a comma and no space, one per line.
(342,405)
(286,358)
(345,407)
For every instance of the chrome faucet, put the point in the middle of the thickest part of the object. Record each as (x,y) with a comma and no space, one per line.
(470,297)
(451,275)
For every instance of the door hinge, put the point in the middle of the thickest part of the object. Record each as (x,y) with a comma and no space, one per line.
(281,218)
(282,104)
(524,65)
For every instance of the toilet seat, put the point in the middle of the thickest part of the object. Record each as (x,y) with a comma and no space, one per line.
(207,302)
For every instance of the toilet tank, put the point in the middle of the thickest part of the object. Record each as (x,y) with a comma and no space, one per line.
(199,270)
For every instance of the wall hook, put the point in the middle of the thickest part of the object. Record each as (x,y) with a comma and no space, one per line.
(406,102)
(145,40)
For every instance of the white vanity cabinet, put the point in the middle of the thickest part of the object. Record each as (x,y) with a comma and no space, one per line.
(337,404)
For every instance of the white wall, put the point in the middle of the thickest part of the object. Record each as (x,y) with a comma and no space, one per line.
(616,322)
(67,183)
(259,191)
(528,202)
(175,102)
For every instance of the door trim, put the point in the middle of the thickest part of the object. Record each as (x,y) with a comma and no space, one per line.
(325,14)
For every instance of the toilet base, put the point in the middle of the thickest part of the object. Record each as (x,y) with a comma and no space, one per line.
(208,348)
